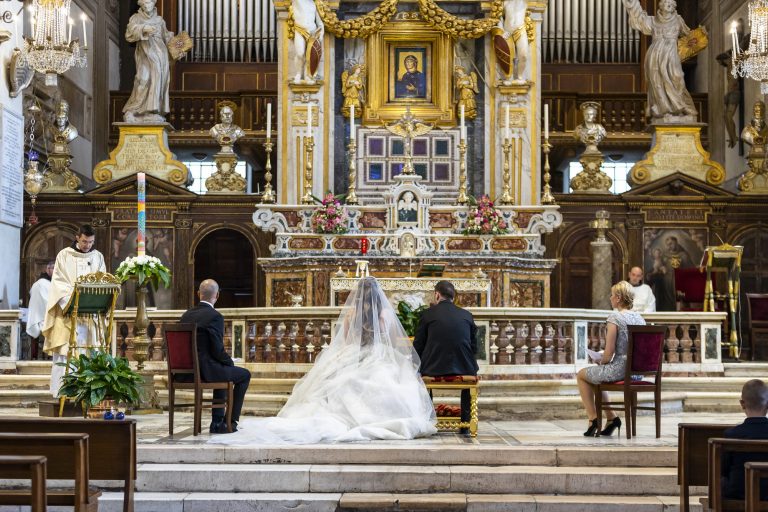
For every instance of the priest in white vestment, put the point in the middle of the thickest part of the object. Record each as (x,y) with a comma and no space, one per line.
(37,306)
(645,301)
(75,261)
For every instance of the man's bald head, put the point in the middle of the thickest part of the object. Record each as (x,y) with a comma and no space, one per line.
(208,291)
(754,397)
(635,276)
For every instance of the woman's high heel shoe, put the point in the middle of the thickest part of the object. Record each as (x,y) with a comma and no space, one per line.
(592,430)
(613,425)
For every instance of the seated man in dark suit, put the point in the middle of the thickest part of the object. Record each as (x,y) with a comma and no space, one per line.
(445,341)
(754,401)
(215,363)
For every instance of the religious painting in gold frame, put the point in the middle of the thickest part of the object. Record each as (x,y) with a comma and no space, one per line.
(428,72)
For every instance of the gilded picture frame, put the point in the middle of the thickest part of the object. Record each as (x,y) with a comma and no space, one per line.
(430,95)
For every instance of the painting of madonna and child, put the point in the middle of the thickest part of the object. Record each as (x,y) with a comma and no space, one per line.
(410,77)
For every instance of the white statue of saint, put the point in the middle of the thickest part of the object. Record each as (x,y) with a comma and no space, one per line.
(226,132)
(513,24)
(308,28)
(149,101)
(668,99)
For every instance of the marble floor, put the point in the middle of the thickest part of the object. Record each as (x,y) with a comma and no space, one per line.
(153,429)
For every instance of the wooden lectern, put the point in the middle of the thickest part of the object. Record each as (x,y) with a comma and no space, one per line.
(95,294)
(725,259)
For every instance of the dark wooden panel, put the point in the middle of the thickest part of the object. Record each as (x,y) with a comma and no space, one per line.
(617,82)
(241,82)
(576,82)
(199,81)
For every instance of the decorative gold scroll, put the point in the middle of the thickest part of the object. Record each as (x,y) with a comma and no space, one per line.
(457,27)
(362,26)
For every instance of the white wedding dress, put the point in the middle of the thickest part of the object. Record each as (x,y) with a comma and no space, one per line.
(365,385)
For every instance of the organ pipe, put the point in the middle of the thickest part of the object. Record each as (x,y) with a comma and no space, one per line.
(230,30)
(589,31)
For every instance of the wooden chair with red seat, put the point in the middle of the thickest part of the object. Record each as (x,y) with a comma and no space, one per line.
(757,307)
(184,373)
(644,356)
(690,284)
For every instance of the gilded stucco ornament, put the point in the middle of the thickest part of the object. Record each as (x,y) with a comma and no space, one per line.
(362,26)
(458,27)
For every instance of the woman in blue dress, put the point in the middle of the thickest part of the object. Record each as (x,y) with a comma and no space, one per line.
(614,361)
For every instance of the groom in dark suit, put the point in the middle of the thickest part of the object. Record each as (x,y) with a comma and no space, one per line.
(446,341)
(215,363)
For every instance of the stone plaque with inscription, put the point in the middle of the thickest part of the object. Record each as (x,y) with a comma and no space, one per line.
(142,148)
(677,148)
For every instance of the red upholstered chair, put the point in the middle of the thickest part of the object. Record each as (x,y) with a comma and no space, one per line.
(689,289)
(184,373)
(757,306)
(644,355)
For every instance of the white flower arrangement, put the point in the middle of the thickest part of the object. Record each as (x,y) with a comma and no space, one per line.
(146,269)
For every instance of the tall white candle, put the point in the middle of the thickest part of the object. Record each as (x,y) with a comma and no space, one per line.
(83,17)
(71,24)
(309,117)
(546,121)
(506,121)
(351,122)
(734,39)
(269,121)
(461,120)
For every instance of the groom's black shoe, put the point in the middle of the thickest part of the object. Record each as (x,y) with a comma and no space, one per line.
(464,431)
(220,427)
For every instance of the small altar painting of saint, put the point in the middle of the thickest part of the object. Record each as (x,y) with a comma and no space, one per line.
(410,77)
(407,246)
(407,208)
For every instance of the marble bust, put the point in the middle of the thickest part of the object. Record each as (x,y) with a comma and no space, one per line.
(590,132)
(226,132)
(64,132)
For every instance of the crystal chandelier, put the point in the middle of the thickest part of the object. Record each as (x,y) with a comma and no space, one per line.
(51,50)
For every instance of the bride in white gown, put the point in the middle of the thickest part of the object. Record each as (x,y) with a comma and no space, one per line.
(365,385)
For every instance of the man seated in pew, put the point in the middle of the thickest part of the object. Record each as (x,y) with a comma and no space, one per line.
(446,342)
(754,401)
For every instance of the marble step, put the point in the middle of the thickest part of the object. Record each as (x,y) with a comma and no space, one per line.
(333,478)
(379,502)
(414,454)
(746,369)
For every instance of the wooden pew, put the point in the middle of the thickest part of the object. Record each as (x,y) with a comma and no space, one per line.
(753,473)
(692,441)
(717,447)
(28,467)
(112,446)
(67,459)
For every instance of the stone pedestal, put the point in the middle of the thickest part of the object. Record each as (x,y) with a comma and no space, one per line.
(755,180)
(591,180)
(225,180)
(677,149)
(601,273)
(60,178)
(142,148)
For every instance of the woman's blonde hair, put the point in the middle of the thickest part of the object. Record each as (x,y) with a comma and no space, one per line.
(623,291)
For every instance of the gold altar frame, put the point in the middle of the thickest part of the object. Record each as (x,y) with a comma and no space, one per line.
(380,51)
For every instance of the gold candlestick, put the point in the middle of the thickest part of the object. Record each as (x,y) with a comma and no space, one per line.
(547,197)
(309,147)
(268,196)
(462,199)
(506,192)
(352,149)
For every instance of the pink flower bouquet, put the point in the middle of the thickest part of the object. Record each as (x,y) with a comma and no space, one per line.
(484,219)
(330,217)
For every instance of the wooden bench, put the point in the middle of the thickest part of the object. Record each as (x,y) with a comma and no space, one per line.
(67,459)
(717,447)
(112,446)
(753,473)
(692,442)
(28,467)
(458,382)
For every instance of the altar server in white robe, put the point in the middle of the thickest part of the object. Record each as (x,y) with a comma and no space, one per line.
(38,300)
(645,301)
(71,263)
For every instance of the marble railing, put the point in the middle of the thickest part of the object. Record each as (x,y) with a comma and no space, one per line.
(525,341)
(512,340)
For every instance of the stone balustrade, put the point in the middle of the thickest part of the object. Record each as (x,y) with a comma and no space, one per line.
(512,341)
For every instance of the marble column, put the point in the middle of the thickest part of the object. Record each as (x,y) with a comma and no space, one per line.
(602,270)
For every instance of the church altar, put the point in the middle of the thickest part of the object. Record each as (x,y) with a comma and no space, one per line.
(404,231)
(470,291)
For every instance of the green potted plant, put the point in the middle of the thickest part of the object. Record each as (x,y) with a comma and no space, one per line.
(409,315)
(97,377)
